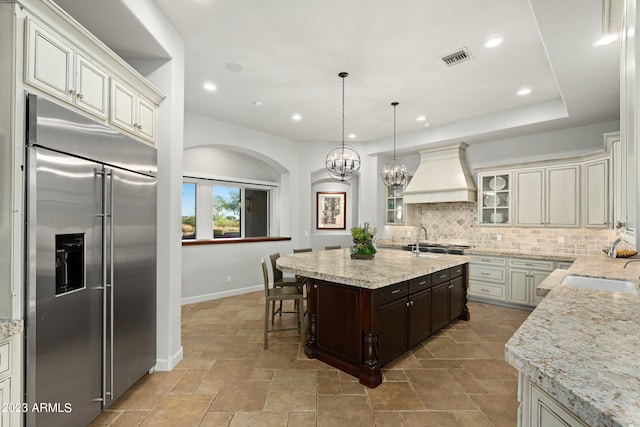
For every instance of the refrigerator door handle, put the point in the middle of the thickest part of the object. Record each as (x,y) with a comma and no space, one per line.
(104,284)
(111,284)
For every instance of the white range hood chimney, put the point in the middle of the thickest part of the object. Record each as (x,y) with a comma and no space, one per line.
(442,176)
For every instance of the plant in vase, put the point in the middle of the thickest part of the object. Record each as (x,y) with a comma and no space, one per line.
(363,247)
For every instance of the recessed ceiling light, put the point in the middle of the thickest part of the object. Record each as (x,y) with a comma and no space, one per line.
(421,118)
(296,117)
(352,136)
(524,91)
(493,42)
(427,125)
(257,103)
(234,66)
(606,39)
(209,86)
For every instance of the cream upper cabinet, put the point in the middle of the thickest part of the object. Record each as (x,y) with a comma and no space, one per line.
(596,177)
(494,198)
(132,112)
(57,69)
(548,196)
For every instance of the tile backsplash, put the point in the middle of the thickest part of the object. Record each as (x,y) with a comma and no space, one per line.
(457,223)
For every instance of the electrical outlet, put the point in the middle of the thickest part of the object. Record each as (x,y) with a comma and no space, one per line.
(306,233)
(229,278)
(499,237)
(560,239)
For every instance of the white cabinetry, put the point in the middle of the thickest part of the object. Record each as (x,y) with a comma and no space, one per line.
(596,182)
(10,388)
(548,196)
(132,112)
(538,409)
(494,198)
(488,277)
(524,276)
(54,67)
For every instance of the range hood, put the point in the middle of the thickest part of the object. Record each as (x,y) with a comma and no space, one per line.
(442,176)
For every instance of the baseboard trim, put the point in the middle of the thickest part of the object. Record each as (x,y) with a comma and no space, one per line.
(170,363)
(222,294)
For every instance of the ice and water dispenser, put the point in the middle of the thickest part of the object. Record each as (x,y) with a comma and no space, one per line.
(69,262)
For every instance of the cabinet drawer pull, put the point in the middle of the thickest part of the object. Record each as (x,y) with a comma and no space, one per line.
(423,283)
(485,290)
(485,260)
(485,273)
(442,276)
(395,291)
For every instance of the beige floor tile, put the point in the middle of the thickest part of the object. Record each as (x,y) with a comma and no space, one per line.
(458,377)
(341,410)
(394,396)
(179,409)
(216,419)
(262,419)
(241,396)
(291,396)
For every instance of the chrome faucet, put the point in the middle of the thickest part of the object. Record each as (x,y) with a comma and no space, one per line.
(612,250)
(426,237)
(629,262)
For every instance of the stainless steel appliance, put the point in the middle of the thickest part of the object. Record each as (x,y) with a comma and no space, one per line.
(91,265)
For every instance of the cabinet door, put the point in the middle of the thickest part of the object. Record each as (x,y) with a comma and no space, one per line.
(529,197)
(439,306)
(456,297)
(562,201)
(619,184)
(146,119)
(597,193)
(91,87)
(419,316)
(5,400)
(546,412)
(536,277)
(518,286)
(49,62)
(392,332)
(123,106)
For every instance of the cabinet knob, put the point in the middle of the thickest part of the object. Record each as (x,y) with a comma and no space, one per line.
(80,96)
(411,303)
(72,92)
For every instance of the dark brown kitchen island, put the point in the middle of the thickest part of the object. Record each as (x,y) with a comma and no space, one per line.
(365,313)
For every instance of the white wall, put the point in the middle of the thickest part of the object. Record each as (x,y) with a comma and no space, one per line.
(169,78)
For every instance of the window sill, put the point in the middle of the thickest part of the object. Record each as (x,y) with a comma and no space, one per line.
(232,240)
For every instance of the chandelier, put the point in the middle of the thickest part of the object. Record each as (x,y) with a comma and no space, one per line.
(343,161)
(394,174)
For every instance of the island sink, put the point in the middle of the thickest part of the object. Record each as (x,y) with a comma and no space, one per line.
(611,285)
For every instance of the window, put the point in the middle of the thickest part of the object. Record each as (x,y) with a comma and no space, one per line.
(189,210)
(226,212)
(234,210)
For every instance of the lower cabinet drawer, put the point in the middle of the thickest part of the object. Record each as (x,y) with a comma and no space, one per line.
(487,273)
(486,290)
(537,264)
(5,352)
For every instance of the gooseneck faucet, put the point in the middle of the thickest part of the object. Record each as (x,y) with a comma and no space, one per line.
(426,237)
(612,250)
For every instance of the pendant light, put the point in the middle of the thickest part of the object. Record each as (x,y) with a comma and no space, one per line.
(343,161)
(394,174)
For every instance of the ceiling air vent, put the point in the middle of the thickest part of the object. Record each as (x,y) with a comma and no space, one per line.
(457,57)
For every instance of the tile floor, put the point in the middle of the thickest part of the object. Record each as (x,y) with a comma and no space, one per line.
(458,377)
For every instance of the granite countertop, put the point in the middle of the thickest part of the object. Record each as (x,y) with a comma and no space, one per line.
(521,254)
(388,267)
(581,345)
(9,328)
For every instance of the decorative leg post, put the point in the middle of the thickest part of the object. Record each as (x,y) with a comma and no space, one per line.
(310,346)
(370,374)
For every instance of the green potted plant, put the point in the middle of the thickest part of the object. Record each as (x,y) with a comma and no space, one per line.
(363,247)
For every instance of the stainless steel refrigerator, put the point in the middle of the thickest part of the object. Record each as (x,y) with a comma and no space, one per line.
(90,264)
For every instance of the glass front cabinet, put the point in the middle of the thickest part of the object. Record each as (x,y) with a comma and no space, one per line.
(494,198)
(394,204)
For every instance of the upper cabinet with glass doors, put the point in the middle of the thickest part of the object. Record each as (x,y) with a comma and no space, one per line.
(494,198)
(394,204)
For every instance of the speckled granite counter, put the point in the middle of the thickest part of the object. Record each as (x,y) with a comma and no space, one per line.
(9,328)
(388,267)
(520,254)
(581,345)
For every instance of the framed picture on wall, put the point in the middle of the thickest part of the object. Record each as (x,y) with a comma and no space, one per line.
(331,210)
